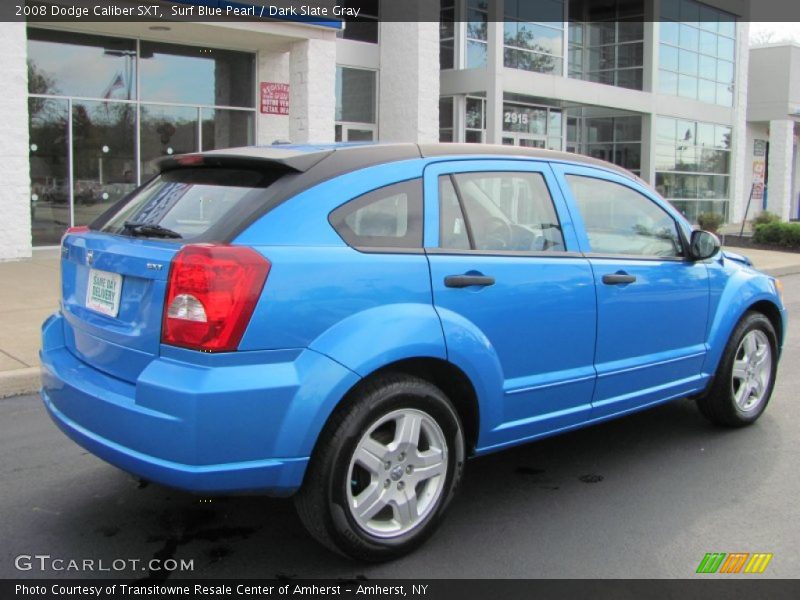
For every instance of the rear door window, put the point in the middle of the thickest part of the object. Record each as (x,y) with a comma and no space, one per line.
(505,211)
(189,202)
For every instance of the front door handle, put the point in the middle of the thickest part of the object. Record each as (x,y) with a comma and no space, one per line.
(618,278)
(462,281)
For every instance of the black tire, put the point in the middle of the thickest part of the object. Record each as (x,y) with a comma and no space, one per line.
(322,502)
(719,404)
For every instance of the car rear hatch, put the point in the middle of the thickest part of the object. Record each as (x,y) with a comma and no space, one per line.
(114,274)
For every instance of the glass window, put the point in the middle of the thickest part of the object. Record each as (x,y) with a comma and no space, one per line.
(612,49)
(530,45)
(166,130)
(668,58)
(112,122)
(681,162)
(104,167)
(620,220)
(688,64)
(446,118)
(49,170)
(508,211)
(190,201)
(390,217)
(227,128)
(670,32)
(447,34)
(667,82)
(76,64)
(196,75)
(355,95)
(689,37)
(475,120)
(476,54)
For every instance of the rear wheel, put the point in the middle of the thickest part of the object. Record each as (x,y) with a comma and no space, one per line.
(385,468)
(746,375)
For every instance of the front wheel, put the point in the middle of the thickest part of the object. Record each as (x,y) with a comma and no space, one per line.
(385,468)
(746,375)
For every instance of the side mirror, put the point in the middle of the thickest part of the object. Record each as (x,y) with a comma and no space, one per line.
(703,245)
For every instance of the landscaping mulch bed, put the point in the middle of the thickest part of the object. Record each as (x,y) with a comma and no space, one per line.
(746,241)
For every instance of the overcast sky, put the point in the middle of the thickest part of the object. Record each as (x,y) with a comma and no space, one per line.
(780,31)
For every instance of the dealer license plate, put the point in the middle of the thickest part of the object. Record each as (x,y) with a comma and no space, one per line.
(103,292)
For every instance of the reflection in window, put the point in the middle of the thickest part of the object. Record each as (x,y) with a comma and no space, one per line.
(166,130)
(356,104)
(504,211)
(389,217)
(606,42)
(446,119)
(620,220)
(196,75)
(74,64)
(108,141)
(533,46)
(477,33)
(447,34)
(355,95)
(697,57)
(475,129)
(693,162)
(49,170)
(104,167)
(616,139)
(224,128)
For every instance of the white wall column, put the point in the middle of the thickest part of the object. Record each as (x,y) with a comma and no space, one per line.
(15,191)
(781,156)
(408,89)
(273,67)
(741,168)
(312,91)
(495,69)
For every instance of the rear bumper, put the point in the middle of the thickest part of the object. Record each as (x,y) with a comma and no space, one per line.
(206,423)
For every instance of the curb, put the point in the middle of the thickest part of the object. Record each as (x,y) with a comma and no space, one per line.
(783,271)
(19,381)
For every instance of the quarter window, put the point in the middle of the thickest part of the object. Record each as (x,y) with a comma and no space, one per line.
(498,211)
(389,217)
(620,220)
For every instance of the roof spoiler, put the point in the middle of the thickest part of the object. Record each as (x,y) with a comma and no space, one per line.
(268,159)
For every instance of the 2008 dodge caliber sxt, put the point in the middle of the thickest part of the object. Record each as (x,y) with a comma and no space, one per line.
(349,323)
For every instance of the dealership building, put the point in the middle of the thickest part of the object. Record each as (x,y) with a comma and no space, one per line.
(657,86)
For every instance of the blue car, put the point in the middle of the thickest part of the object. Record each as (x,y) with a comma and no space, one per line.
(348,324)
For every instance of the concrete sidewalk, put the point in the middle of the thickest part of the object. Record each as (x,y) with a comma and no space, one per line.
(29,292)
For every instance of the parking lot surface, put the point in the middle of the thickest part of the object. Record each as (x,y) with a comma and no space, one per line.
(646,496)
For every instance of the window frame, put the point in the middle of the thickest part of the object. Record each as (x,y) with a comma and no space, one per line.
(591,173)
(416,205)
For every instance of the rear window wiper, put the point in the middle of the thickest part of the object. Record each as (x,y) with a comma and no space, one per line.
(150,230)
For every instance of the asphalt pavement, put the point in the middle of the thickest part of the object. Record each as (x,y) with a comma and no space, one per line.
(646,496)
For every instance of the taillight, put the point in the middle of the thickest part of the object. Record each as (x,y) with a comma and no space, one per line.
(211,294)
(76,229)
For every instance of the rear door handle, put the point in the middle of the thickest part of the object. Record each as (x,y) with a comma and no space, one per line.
(618,278)
(462,281)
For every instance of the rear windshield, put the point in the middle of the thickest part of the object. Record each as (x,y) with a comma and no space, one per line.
(188,202)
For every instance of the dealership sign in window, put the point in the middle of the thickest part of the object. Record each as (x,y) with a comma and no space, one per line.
(274,98)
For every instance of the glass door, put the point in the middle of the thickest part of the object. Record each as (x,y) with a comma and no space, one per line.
(524,140)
